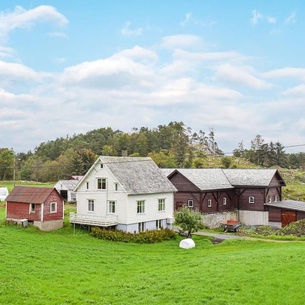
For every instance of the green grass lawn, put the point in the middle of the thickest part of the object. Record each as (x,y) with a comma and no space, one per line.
(61,267)
(10,184)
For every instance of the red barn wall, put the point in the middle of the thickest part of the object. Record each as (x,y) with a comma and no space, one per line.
(18,210)
(47,215)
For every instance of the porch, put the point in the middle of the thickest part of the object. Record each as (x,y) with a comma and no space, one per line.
(93,220)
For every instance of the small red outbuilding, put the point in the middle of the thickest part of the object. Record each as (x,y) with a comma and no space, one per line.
(41,206)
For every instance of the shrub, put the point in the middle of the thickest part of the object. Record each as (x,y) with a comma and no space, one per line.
(295,228)
(147,237)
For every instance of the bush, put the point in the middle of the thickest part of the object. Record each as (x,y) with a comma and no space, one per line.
(295,228)
(147,237)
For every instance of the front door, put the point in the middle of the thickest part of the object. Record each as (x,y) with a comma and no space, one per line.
(287,218)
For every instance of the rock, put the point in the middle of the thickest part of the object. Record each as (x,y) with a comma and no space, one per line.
(187,243)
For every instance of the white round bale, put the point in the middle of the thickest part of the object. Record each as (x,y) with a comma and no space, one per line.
(187,243)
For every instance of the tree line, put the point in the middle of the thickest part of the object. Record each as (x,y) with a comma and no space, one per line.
(172,145)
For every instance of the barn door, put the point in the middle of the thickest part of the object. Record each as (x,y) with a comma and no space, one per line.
(288,217)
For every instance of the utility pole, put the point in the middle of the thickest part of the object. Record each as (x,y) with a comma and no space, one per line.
(14,174)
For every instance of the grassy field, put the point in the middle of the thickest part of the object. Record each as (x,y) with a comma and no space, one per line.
(63,267)
(10,184)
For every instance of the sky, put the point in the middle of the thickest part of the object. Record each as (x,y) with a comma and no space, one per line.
(68,67)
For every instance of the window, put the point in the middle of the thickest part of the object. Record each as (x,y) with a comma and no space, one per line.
(224,200)
(53,207)
(275,198)
(159,224)
(251,199)
(32,208)
(269,198)
(190,203)
(140,206)
(90,205)
(209,203)
(141,226)
(116,187)
(101,183)
(111,207)
(102,165)
(87,185)
(161,205)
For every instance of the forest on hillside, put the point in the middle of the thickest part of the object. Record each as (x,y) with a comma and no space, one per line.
(172,145)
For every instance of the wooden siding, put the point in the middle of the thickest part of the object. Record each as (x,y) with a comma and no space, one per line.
(17,210)
(300,215)
(182,184)
(126,205)
(275,214)
(200,201)
(259,199)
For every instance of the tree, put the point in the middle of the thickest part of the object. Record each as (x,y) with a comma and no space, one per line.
(189,220)
(226,161)
(6,163)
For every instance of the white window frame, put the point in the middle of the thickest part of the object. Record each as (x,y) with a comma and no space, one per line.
(161,205)
(91,204)
(251,199)
(190,203)
(209,203)
(111,207)
(140,206)
(32,209)
(224,201)
(159,224)
(275,198)
(53,204)
(101,183)
(141,226)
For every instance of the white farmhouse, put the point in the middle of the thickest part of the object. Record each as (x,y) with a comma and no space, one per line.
(127,193)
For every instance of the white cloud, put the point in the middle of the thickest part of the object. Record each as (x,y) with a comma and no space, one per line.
(291,19)
(256,16)
(6,52)
(271,20)
(288,72)
(127,31)
(16,71)
(181,41)
(190,19)
(243,76)
(21,18)
(186,19)
(208,56)
(296,92)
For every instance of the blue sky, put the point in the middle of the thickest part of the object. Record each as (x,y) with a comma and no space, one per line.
(68,67)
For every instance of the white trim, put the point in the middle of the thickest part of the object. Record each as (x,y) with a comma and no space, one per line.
(190,203)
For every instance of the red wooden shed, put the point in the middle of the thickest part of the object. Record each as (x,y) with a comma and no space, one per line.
(41,206)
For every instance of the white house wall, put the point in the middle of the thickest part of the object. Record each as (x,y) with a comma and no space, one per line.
(151,207)
(126,205)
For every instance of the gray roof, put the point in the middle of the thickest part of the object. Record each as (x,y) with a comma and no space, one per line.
(217,178)
(138,175)
(250,177)
(288,204)
(206,178)
(69,184)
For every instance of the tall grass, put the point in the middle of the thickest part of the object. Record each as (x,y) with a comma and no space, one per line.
(61,267)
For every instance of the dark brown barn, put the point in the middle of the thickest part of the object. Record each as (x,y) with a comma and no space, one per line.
(284,212)
(43,207)
(220,191)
